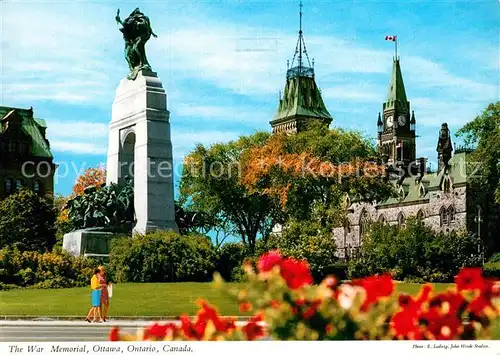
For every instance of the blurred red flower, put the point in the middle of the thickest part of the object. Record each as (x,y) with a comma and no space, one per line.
(296,273)
(114,334)
(253,330)
(470,279)
(375,287)
(268,261)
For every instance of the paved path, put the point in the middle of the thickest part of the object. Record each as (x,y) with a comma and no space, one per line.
(57,330)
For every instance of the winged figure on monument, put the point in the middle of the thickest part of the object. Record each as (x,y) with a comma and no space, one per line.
(136,30)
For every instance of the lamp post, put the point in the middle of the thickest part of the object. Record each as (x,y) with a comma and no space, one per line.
(478,219)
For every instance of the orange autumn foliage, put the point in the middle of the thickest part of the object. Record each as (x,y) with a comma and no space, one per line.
(262,161)
(90,177)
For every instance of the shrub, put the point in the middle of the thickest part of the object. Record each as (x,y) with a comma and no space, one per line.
(230,258)
(47,270)
(27,222)
(163,257)
(492,269)
(415,253)
(306,241)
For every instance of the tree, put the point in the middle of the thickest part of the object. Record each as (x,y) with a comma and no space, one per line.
(211,182)
(27,222)
(483,132)
(314,169)
(90,177)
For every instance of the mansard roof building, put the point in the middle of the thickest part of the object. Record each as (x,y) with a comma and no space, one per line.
(25,156)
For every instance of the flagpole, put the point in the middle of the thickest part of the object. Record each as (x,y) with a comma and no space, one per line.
(396,45)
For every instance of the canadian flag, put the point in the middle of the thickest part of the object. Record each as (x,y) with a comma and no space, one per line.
(390,38)
(400,145)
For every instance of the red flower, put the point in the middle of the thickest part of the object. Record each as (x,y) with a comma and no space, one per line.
(114,334)
(274,304)
(470,279)
(252,329)
(375,287)
(451,303)
(296,273)
(478,305)
(405,325)
(245,307)
(445,327)
(160,331)
(193,331)
(268,261)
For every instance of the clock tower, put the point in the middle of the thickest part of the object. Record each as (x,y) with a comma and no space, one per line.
(396,125)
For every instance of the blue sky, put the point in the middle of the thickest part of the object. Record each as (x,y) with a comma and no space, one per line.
(223,64)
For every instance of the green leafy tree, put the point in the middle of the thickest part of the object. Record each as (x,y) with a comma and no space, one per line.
(415,253)
(314,169)
(483,132)
(211,183)
(27,222)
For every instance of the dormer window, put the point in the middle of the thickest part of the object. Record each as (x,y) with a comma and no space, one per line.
(446,184)
(421,191)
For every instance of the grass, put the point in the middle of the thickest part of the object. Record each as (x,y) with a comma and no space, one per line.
(135,299)
(132,299)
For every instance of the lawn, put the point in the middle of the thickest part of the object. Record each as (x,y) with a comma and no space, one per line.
(131,299)
(135,299)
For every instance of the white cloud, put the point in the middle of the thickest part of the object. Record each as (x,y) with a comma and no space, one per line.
(78,137)
(78,147)
(184,141)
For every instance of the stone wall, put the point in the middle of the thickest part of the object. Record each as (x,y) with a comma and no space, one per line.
(349,238)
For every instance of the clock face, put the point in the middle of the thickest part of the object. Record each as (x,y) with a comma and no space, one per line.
(390,121)
(402,120)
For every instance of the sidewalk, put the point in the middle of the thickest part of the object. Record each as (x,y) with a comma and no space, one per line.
(116,318)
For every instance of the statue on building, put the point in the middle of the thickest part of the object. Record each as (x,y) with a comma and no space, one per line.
(136,30)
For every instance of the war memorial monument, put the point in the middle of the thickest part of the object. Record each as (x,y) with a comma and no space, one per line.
(138,196)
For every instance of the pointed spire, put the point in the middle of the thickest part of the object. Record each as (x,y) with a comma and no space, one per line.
(413,122)
(396,90)
(380,125)
(300,50)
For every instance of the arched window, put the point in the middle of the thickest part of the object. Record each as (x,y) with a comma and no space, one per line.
(8,186)
(19,184)
(451,214)
(420,215)
(382,218)
(36,187)
(443,216)
(401,220)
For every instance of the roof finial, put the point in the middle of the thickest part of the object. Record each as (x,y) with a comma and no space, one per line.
(300,17)
(300,35)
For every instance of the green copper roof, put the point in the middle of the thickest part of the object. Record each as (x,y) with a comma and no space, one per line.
(32,127)
(396,93)
(301,98)
(458,171)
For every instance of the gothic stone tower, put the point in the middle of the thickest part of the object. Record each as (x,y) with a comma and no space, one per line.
(301,102)
(396,127)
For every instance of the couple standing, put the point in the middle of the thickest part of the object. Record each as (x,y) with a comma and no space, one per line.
(100,296)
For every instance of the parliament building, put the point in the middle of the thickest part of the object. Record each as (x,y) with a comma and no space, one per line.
(442,199)
(25,157)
